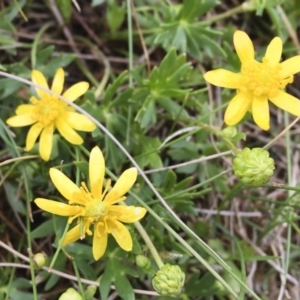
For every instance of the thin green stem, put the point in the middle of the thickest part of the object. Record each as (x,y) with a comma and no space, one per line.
(196,186)
(289,175)
(130,42)
(35,43)
(59,247)
(246,6)
(149,244)
(28,227)
(78,279)
(130,63)
(9,284)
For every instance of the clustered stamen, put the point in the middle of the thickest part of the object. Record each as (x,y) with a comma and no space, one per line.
(47,109)
(263,79)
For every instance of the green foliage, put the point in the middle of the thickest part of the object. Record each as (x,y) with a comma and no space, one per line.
(180,28)
(115,273)
(146,87)
(161,87)
(65,7)
(115,14)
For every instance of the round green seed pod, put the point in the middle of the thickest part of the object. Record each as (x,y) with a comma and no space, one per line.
(142,261)
(70,294)
(229,132)
(253,166)
(169,280)
(39,260)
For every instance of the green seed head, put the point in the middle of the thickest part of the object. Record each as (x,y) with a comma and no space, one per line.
(169,280)
(253,166)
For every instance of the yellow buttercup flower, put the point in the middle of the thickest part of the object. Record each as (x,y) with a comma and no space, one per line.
(49,112)
(258,82)
(96,207)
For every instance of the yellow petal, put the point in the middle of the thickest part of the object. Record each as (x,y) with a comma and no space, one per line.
(57,208)
(260,112)
(96,171)
(76,90)
(287,102)
(32,135)
(223,78)
(78,121)
(121,234)
(46,141)
(24,109)
(38,78)
(243,46)
(68,132)
(237,108)
(290,67)
(58,81)
(127,214)
(21,120)
(274,50)
(64,185)
(72,236)
(99,241)
(122,186)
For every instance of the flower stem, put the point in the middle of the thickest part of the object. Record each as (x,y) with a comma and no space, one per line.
(290,183)
(78,279)
(246,6)
(149,244)
(59,248)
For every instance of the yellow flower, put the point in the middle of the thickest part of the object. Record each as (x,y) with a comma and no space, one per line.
(96,207)
(49,112)
(258,82)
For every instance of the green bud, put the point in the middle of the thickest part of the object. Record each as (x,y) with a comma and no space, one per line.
(169,280)
(145,264)
(142,261)
(229,132)
(39,260)
(253,166)
(90,292)
(70,294)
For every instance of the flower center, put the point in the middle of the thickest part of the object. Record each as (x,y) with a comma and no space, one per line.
(96,210)
(263,79)
(47,109)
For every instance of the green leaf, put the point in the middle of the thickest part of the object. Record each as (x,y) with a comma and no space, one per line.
(123,98)
(115,15)
(112,88)
(87,270)
(65,8)
(147,114)
(174,109)
(169,180)
(106,280)
(17,295)
(123,287)
(45,229)
(44,54)
(192,9)
(149,153)
(8,87)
